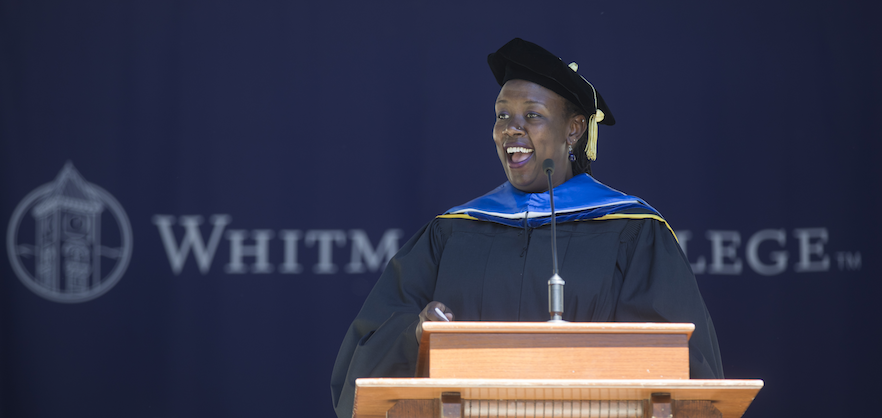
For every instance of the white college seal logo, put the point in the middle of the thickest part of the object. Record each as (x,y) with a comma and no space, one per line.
(61,246)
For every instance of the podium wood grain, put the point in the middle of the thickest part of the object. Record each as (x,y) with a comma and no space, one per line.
(527,350)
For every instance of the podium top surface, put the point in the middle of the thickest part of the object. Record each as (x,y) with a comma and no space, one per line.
(430,327)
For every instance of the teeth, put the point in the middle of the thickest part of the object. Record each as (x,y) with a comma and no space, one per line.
(512,150)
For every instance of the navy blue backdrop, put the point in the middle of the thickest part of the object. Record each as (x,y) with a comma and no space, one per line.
(199,195)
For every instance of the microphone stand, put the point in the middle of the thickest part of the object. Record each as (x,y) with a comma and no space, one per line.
(555,283)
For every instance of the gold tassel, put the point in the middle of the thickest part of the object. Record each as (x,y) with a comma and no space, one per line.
(591,145)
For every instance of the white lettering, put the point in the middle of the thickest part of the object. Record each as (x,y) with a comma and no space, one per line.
(808,249)
(177,255)
(721,251)
(375,259)
(260,251)
(779,257)
(290,265)
(325,237)
(849,261)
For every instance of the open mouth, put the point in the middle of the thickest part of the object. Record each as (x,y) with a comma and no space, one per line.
(518,156)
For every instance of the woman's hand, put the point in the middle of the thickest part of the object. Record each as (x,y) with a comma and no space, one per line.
(430,313)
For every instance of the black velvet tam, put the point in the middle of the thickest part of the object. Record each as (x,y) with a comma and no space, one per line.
(523,60)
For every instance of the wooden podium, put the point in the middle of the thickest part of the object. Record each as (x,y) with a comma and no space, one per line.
(540,369)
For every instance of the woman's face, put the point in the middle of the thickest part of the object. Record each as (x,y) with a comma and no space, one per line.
(531,126)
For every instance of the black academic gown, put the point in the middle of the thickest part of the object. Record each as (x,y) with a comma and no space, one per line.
(622,270)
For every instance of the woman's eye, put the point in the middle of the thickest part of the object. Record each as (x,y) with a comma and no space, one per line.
(501,116)
(533,115)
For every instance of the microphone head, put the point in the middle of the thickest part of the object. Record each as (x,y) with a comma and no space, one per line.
(548,165)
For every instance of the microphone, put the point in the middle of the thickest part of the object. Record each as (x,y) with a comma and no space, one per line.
(555,283)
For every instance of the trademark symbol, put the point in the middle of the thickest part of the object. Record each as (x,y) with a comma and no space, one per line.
(849,261)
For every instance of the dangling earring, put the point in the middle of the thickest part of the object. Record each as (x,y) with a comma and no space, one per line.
(572,157)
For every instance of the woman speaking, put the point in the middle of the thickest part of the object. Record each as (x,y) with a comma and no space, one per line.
(488,260)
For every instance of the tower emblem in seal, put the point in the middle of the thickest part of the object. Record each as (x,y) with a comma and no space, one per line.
(59,244)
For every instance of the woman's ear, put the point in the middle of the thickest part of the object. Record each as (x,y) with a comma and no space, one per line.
(578,126)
